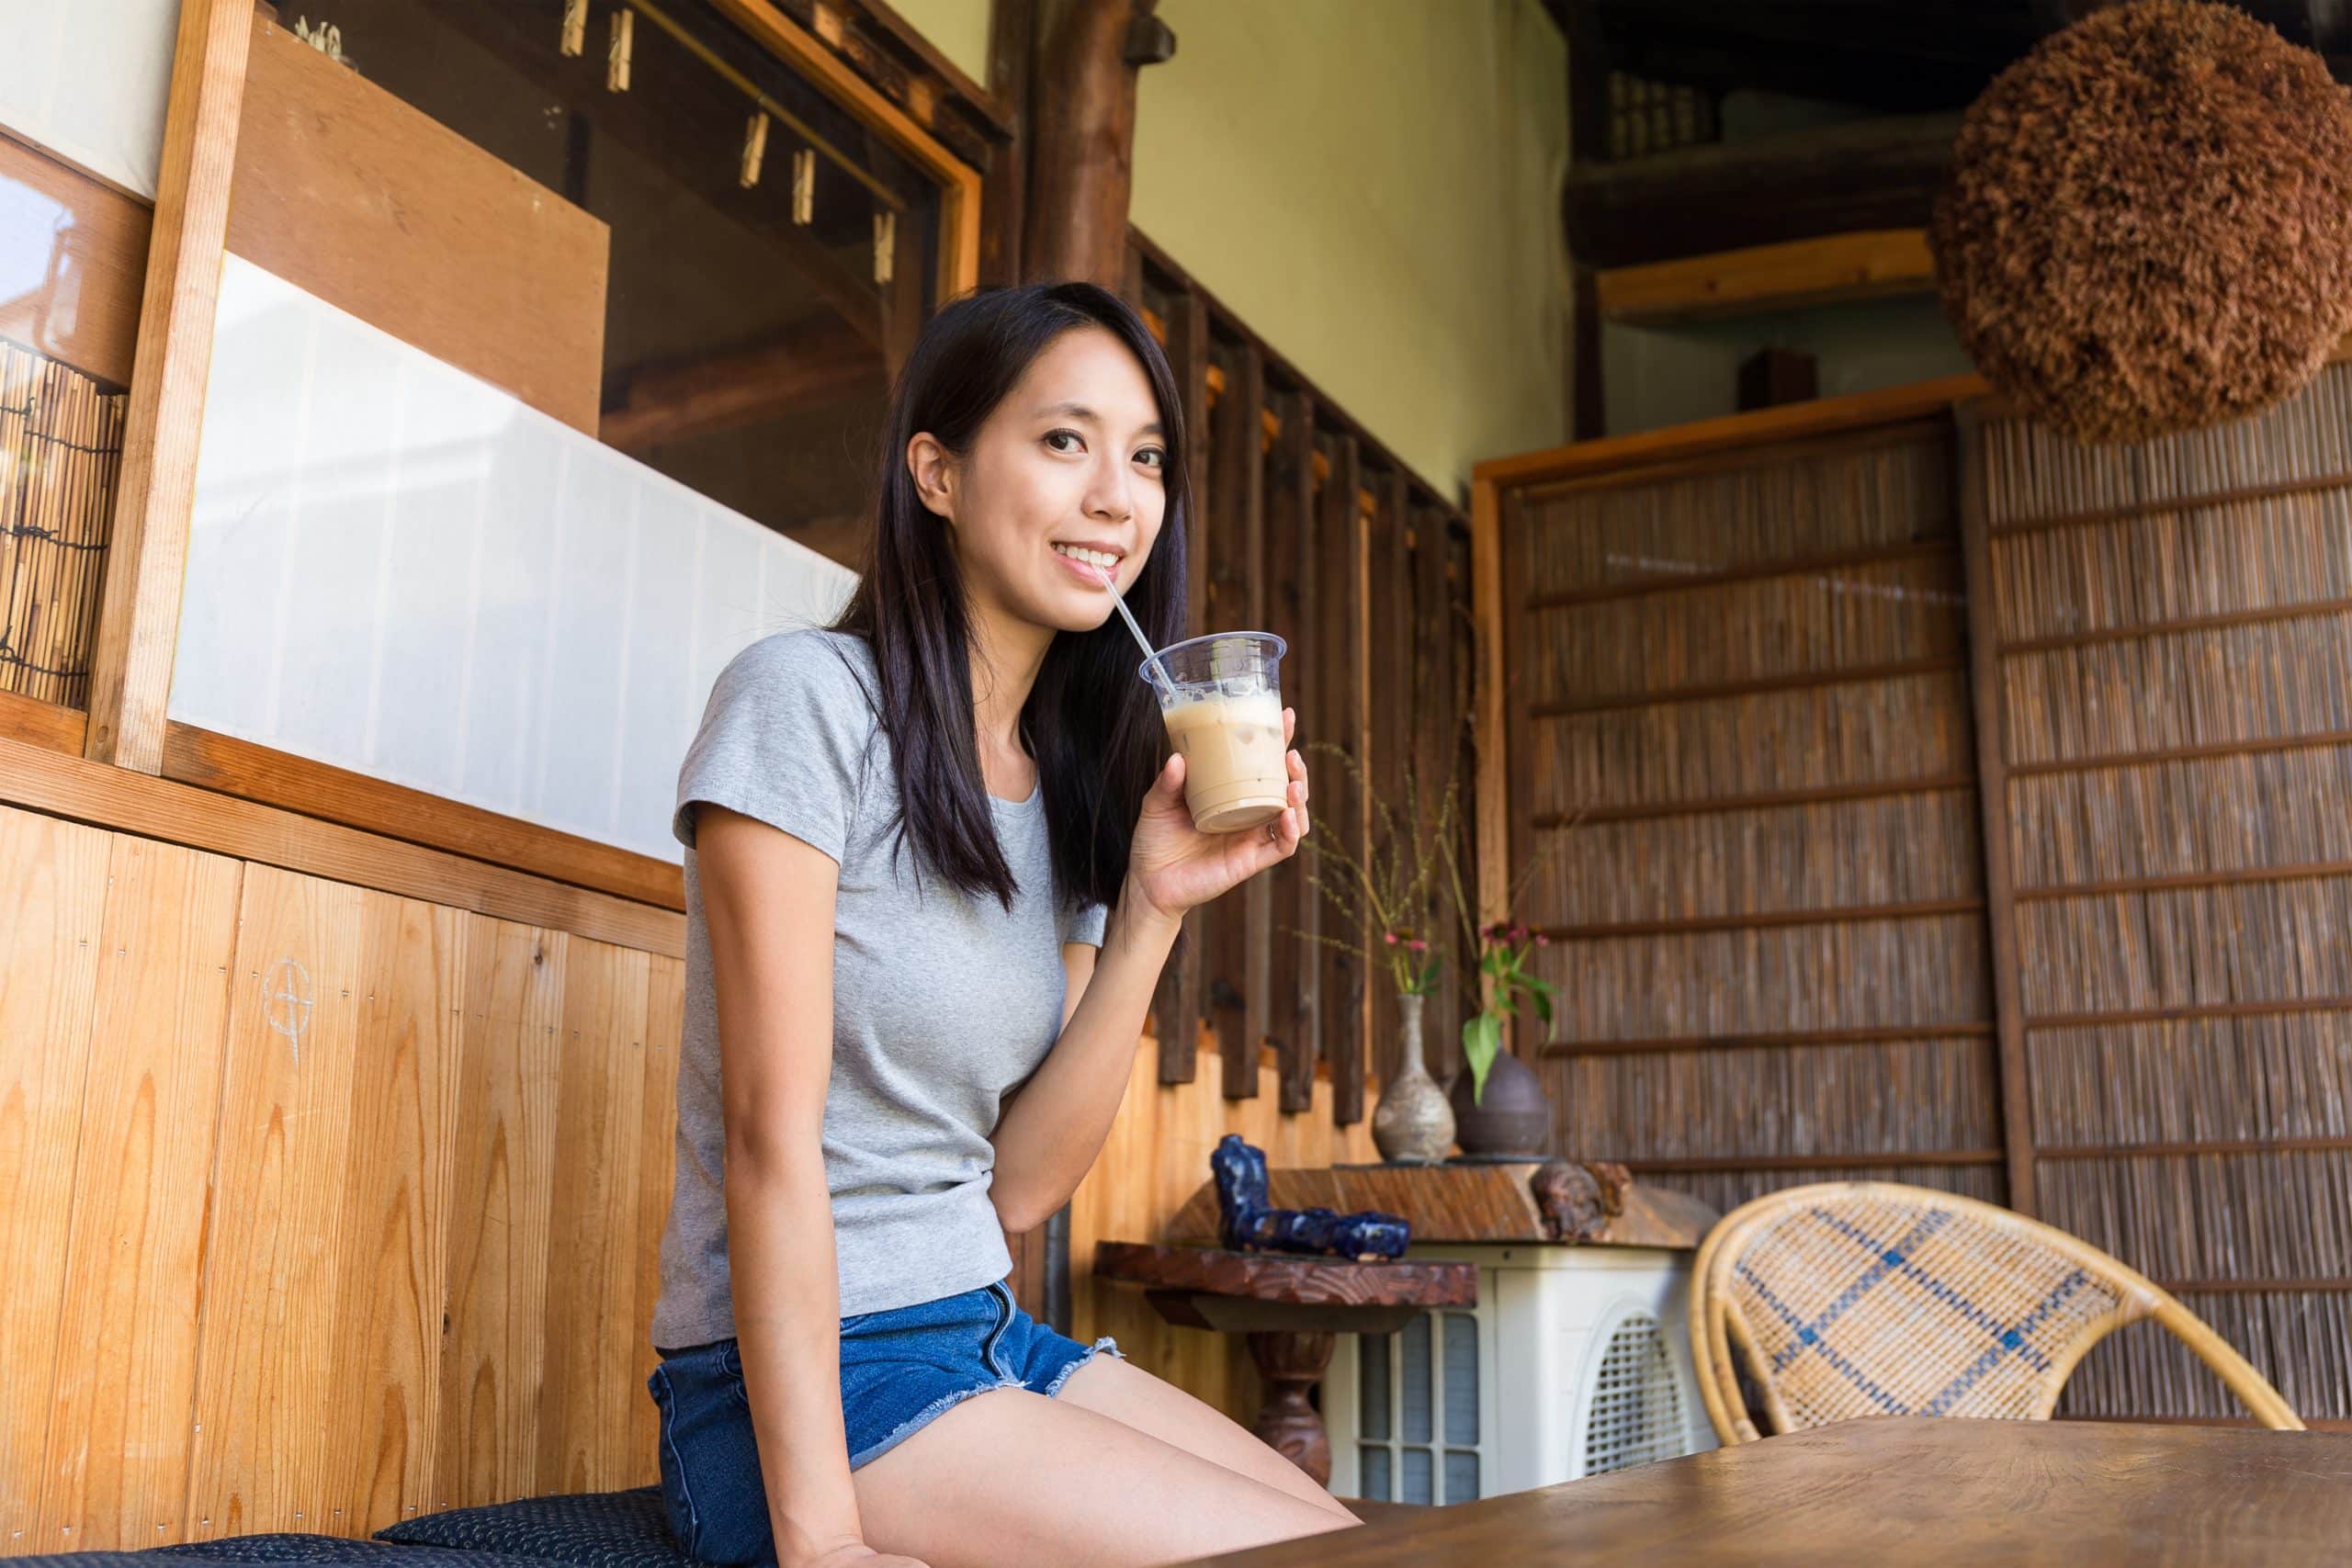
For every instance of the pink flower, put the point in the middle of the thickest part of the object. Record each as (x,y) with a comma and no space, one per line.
(1543,940)
(1519,933)
(1389,937)
(1417,945)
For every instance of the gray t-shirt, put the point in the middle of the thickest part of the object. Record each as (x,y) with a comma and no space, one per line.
(943,1003)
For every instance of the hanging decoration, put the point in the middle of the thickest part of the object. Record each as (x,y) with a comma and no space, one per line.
(575,28)
(755,149)
(886,246)
(2148,223)
(804,186)
(616,57)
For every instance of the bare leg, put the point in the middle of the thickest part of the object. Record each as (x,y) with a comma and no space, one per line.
(1159,1410)
(1011,1476)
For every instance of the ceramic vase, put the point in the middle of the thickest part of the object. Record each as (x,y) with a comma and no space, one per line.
(1412,1124)
(1511,1120)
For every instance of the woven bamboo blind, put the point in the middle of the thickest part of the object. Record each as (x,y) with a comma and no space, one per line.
(1746,773)
(61,448)
(2175,694)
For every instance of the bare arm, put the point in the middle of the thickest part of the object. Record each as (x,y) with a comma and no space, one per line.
(768,903)
(1050,1133)
(1051,1130)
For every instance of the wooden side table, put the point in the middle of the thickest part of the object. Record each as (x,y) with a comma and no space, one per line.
(1288,1308)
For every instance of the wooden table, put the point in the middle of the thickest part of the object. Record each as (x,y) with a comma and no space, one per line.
(1904,1489)
(1288,1307)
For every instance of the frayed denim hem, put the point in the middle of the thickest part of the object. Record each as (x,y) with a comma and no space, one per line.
(1106,1345)
(924,1417)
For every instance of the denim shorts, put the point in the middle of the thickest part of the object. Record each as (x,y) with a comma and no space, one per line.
(901,1369)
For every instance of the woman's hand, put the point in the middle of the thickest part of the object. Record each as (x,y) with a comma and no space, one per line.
(1173,866)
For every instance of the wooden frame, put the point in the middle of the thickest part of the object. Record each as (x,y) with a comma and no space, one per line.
(1716,1323)
(1872,265)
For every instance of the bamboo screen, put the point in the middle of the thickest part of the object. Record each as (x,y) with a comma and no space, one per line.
(60,449)
(1743,764)
(2174,626)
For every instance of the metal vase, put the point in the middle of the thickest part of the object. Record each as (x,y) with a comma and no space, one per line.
(1412,1124)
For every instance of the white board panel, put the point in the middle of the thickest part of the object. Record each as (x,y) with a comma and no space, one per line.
(87,79)
(399,570)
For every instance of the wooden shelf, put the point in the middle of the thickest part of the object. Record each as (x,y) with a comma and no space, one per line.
(1877,264)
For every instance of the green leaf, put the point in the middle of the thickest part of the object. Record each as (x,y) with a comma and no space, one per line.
(1482,1040)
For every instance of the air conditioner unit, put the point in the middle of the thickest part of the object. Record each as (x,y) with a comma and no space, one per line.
(1575,1360)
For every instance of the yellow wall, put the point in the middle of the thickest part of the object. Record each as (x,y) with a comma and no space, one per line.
(957,29)
(1373,186)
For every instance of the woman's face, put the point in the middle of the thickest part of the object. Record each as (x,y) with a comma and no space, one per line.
(1068,466)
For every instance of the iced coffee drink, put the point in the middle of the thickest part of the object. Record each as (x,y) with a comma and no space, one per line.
(1221,696)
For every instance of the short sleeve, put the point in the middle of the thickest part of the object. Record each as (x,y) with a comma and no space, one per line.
(1086,925)
(784,738)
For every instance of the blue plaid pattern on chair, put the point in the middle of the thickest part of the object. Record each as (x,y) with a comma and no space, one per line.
(1856,1299)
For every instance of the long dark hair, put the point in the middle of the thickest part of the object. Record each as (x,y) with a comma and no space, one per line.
(1090,722)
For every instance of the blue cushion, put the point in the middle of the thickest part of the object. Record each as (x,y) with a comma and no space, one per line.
(589,1530)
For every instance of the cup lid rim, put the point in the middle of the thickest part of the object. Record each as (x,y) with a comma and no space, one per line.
(1142,667)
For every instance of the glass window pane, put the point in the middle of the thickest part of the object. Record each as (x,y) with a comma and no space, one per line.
(1461,1377)
(1372,1385)
(1419,1487)
(750,331)
(1461,1476)
(1416,1372)
(1373,1480)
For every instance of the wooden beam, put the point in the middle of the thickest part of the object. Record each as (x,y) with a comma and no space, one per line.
(139,616)
(222,762)
(126,801)
(675,403)
(1873,175)
(1004,188)
(1880,264)
(1825,416)
(1083,120)
(1987,699)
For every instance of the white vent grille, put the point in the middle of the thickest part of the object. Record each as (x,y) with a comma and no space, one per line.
(1636,1415)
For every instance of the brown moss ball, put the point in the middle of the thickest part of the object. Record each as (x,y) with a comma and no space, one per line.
(2148,227)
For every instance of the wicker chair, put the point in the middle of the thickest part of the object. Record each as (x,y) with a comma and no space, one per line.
(1866,1297)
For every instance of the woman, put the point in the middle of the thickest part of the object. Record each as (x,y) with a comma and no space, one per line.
(906,838)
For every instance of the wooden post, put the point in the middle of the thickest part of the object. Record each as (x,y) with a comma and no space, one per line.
(1002,187)
(1340,629)
(1294,965)
(1176,1011)
(1493,736)
(1234,546)
(1993,802)
(1082,133)
(138,619)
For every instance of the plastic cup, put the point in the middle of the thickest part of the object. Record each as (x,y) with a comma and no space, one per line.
(1223,711)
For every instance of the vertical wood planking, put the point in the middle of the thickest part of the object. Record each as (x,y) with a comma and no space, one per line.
(1235,924)
(1497,727)
(1437,724)
(1292,965)
(117,1472)
(273,1268)
(1340,686)
(585,1416)
(665,1014)
(1390,713)
(1177,1012)
(1985,697)
(504,1171)
(53,893)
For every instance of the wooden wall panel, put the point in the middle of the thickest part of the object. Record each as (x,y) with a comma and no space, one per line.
(492,1356)
(379,210)
(2173,645)
(1235,928)
(1294,967)
(1742,707)
(1389,719)
(53,890)
(115,1476)
(286,1152)
(1177,1012)
(1340,675)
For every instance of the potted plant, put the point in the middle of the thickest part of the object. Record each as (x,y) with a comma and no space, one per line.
(1387,892)
(1501,1110)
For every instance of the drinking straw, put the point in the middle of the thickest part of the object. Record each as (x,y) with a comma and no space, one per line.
(1150,654)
